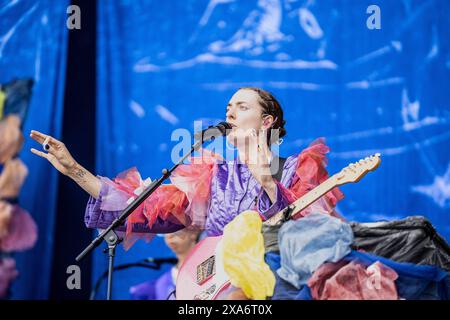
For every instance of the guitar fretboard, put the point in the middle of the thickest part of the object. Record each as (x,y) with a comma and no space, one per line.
(304,201)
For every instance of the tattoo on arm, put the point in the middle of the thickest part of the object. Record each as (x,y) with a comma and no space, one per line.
(79,174)
(86,180)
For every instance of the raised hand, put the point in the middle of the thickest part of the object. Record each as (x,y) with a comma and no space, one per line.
(57,155)
(62,160)
(257,158)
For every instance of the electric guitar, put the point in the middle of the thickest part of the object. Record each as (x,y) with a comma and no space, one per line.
(202,277)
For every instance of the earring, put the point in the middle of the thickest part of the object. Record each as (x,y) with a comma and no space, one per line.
(280,141)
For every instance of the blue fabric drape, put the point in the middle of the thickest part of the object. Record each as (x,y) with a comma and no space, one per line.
(163,65)
(33,38)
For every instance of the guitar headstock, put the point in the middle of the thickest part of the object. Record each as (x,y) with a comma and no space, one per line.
(355,171)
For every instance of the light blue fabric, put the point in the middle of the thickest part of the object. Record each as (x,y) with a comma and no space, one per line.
(307,243)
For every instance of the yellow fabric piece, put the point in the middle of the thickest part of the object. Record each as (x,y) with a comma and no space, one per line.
(243,256)
(2,103)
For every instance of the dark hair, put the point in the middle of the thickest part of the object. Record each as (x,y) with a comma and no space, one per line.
(270,106)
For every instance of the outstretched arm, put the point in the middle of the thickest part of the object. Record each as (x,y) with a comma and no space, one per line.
(59,156)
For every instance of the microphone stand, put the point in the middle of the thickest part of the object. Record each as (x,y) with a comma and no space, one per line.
(111,237)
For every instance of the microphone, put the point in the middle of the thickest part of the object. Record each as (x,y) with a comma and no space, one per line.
(212,132)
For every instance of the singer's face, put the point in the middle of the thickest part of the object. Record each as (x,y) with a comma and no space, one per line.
(245,113)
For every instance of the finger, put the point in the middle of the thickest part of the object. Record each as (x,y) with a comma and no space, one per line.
(262,136)
(262,142)
(47,147)
(37,136)
(252,136)
(53,142)
(41,138)
(39,153)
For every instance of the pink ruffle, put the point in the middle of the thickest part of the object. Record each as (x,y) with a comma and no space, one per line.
(8,273)
(185,201)
(167,202)
(194,181)
(113,197)
(310,172)
(22,232)
(353,281)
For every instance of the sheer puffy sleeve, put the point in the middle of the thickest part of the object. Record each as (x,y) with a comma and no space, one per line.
(170,208)
(300,175)
(310,172)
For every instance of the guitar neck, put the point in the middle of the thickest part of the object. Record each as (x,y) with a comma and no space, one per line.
(305,200)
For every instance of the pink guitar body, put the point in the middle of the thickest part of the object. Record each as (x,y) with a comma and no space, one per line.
(200,276)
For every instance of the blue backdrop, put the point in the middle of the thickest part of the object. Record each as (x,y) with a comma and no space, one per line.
(163,65)
(33,39)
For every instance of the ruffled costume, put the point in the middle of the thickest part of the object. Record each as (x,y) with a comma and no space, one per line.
(208,194)
(170,208)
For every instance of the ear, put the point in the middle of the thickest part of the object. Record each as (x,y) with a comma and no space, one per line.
(268,122)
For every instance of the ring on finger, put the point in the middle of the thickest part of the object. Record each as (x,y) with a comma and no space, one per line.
(45,144)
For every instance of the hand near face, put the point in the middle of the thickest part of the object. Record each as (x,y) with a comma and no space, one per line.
(258,157)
